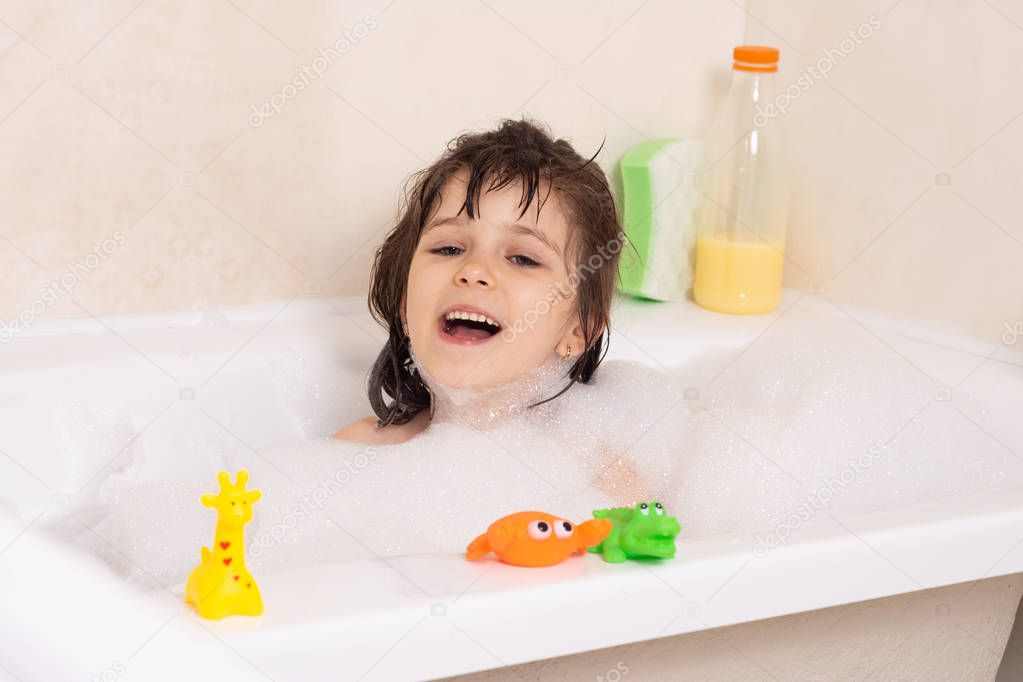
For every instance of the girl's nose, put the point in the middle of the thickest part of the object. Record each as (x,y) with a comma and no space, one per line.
(475,272)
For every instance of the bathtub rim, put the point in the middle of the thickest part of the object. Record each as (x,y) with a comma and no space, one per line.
(976,538)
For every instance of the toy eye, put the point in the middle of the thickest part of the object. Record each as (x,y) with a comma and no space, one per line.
(232,503)
(563,529)
(658,509)
(644,509)
(539,530)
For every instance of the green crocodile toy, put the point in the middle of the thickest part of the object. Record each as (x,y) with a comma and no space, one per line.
(640,532)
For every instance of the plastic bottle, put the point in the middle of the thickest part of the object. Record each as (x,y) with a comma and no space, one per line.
(740,244)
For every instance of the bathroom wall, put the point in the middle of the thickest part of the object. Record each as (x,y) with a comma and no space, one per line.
(164,154)
(907,155)
(179,154)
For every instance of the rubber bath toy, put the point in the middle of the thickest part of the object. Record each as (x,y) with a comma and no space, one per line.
(640,532)
(533,538)
(221,585)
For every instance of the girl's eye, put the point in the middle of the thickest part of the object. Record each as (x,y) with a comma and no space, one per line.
(523,261)
(528,262)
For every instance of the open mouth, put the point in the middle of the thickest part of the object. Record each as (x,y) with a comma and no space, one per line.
(465,327)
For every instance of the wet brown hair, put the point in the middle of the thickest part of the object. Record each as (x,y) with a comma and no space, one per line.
(520,151)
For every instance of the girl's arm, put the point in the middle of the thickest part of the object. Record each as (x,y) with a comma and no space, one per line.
(620,477)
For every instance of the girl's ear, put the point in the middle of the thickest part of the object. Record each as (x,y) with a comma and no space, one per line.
(572,341)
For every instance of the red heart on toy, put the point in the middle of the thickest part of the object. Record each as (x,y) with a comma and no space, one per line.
(236,578)
(227,561)
(225,545)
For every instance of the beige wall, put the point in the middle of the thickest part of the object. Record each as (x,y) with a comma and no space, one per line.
(134,122)
(908,178)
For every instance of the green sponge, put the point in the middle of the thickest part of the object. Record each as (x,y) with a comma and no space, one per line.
(660,180)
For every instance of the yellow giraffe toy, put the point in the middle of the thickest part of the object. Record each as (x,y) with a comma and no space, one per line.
(221,585)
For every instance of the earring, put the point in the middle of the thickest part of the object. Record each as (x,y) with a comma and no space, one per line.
(433,406)
(568,351)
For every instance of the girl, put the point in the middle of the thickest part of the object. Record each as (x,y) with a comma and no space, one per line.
(495,287)
(503,261)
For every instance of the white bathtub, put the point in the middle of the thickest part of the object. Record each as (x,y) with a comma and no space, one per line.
(923,590)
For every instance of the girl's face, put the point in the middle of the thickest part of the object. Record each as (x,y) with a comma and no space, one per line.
(511,270)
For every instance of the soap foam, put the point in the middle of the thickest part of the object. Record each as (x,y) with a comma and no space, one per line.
(819,417)
(437,491)
(327,500)
(743,453)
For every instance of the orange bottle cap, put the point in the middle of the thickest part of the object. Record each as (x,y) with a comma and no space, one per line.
(755,58)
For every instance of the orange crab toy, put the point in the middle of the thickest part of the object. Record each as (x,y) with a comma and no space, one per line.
(533,538)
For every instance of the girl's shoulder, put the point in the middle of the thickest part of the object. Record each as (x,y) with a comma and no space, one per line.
(366,431)
(359,431)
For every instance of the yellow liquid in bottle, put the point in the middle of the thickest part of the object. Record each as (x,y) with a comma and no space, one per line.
(739,275)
